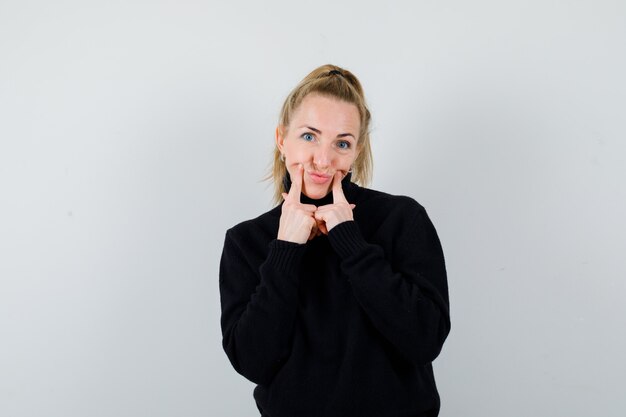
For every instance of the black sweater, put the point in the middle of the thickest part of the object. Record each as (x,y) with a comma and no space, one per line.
(344,325)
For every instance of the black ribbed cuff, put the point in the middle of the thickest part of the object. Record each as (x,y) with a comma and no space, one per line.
(285,256)
(346,238)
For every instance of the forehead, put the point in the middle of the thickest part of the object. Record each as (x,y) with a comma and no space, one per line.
(326,114)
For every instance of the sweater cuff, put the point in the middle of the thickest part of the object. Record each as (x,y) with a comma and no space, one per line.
(285,256)
(346,238)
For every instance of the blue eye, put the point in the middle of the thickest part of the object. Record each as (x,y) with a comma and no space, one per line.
(308,137)
(344,144)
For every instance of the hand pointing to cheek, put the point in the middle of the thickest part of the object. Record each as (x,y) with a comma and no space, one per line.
(297,222)
(340,211)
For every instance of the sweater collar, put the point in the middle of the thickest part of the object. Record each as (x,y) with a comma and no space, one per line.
(348,186)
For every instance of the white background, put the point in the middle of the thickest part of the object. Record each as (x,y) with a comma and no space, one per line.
(134,133)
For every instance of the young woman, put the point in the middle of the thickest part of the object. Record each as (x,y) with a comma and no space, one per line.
(335,302)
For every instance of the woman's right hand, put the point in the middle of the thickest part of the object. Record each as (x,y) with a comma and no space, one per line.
(297,220)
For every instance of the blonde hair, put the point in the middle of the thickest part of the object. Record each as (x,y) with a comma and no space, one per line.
(335,82)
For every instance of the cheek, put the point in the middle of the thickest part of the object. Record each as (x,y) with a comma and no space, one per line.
(345,162)
(294,154)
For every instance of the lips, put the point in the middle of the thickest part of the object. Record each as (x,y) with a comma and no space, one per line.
(319,178)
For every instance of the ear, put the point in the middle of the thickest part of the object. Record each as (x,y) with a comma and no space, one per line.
(280,137)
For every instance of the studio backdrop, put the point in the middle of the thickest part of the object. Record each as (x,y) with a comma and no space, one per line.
(133,134)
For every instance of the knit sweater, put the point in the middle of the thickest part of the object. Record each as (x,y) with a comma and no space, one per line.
(347,324)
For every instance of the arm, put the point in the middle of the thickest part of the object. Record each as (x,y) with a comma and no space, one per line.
(407,301)
(258,307)
(259,303)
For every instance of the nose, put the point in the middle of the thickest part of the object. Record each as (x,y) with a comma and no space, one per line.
(322,157)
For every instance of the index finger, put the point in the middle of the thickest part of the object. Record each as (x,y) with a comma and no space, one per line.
(296,184)
(338,195)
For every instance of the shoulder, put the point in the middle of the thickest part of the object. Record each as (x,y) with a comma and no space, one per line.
(261,227)
(247,243)
(398,223)
(374,201)
(382,216)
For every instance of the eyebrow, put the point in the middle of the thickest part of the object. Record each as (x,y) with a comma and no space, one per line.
(341,135)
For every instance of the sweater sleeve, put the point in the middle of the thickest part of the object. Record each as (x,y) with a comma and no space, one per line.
(407,300)
(258,307)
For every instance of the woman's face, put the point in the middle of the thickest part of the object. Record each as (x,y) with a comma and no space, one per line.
(322,136)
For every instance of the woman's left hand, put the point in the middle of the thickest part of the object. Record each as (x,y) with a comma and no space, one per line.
(340,211)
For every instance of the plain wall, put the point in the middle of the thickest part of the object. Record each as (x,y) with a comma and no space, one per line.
(133,134)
